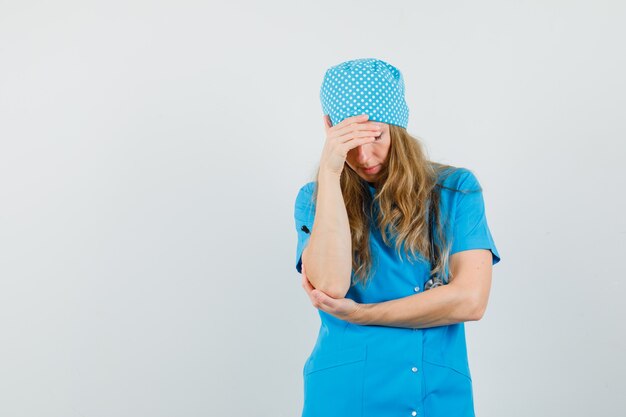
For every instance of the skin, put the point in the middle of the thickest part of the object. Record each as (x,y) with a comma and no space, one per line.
(463,299)
(328,253)
(370,154)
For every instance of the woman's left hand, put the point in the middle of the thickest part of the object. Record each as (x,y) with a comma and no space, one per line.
(342,308)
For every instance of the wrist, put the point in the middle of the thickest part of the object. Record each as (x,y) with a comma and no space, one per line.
(328,176)
(365,314)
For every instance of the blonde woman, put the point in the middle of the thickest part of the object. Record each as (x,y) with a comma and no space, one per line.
(396,254)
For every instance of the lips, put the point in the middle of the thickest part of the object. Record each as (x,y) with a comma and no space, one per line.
(370,169)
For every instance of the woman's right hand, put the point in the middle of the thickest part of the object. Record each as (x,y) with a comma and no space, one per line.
(341,138)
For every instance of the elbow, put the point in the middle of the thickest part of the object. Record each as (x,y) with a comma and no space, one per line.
(477,310)
(469,305)
(334,290)
(333,287)
(476,315)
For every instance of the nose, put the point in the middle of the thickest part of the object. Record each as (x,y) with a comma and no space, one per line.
(362,154)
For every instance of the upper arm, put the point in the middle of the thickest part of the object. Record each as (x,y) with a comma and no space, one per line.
(471,272)
(473,252)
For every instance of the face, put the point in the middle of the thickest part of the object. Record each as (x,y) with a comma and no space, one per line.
(370,155)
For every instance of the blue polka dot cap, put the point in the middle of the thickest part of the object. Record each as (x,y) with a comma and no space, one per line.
(365,85)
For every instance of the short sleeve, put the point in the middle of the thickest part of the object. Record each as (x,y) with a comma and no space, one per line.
(304,215)
(470,228)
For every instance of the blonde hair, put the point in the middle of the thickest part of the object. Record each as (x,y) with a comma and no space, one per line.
(408,195)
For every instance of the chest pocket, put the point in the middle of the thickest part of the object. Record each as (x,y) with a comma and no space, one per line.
(333,383)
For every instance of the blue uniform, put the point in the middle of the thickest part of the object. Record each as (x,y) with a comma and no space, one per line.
(383,371)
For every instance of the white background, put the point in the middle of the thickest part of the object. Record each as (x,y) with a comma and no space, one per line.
(151,152)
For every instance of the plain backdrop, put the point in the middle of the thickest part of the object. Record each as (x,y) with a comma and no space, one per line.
(151,152)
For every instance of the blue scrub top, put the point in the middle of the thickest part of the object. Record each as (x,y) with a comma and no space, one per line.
(379,371)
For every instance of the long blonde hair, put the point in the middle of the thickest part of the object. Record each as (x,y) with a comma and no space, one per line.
(408,195)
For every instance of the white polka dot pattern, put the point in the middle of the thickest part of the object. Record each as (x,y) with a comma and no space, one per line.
(365,85)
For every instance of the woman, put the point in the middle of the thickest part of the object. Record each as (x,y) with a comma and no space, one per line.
(396,254)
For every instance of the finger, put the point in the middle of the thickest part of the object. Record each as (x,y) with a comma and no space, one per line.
(359,118)
(347,121)
(306,288)
(325,300)
(306,285)
(354,139)
(327,122)
(349,144)
(358,130)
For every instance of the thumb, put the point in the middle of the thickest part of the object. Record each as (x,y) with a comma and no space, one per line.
(327,122)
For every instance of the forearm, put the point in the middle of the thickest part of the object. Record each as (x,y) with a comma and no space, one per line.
(438,306)
(328,255)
